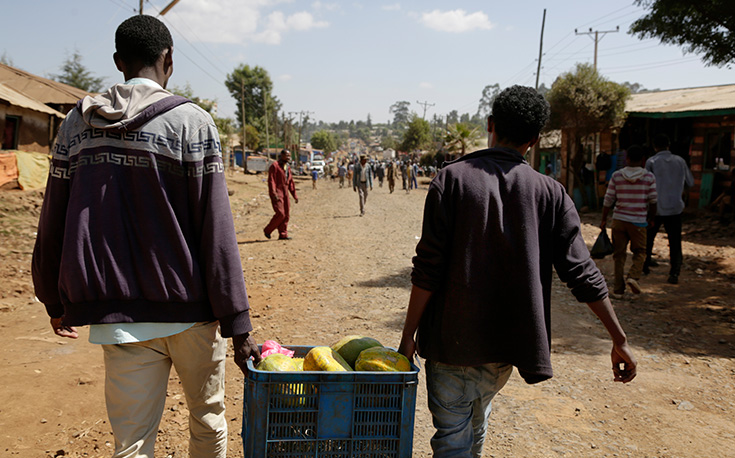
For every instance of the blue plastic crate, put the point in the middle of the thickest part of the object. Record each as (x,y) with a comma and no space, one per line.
(328,414)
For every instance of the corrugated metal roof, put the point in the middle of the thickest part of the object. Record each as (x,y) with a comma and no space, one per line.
(42,89)
(16,98)
(695,99)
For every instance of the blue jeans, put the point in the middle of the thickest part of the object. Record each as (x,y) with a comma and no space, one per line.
(460,404)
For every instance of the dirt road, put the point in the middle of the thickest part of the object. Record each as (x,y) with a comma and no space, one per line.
(344,274)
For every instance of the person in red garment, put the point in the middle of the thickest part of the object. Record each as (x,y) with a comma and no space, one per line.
(280,183)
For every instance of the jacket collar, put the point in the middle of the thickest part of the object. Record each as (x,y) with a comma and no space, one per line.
(504,154)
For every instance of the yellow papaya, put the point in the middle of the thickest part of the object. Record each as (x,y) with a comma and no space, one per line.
(382,359)
(350,347)
(277,362)
(324,359)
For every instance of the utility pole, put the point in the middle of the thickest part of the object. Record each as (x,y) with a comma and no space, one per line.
(540,49)
(163,11)
(425,104)
(534,159)
(242,113)
(265,110)
(597,37)
(290,137)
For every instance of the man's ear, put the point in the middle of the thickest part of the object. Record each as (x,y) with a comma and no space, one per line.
(168,60)
(118,62)
(534,141)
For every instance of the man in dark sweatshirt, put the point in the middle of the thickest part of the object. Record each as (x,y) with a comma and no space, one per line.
(136,239)
(493,230)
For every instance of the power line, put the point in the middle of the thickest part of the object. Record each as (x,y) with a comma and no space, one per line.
(199,40)
(650,65)
(191,44)
(425,104)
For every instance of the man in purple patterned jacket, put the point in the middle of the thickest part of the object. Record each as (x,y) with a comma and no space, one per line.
(136,239)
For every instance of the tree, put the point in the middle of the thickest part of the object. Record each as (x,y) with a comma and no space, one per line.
(6,60)
(460,137)
(453,117)
(324,141)
(704,27)
(400,113)
(583,102)
(74,73)
(417,135)
(188,92)
(486,101)
(254,87)
(388,142)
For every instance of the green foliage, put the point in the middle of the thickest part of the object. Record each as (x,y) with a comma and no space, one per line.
(704,27)
(253,85)
(401,114)
(324,141)
(485,106)
(74,73)
(388,142)
(460,137)
(586,102)
(188,92)
(417,135)
(252,138)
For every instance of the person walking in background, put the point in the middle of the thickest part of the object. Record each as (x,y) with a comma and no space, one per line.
(414,176)
(632,191)
(672,175)
(280,184)
(342,173)
(136,239)
(391,175)
(494,230)
(361,180)
(404,175)
(314,178)
(380,173)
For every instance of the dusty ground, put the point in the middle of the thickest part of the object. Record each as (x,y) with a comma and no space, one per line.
(345,274)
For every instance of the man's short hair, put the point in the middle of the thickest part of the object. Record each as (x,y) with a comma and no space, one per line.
(661,141)
(519,114)
(635,153)
(142,39)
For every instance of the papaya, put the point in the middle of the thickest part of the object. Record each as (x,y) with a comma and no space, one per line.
(277,362)
(299,362)
(350,347)
(324,359)
(382,359)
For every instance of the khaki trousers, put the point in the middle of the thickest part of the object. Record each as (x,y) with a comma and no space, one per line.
(622,233)
(136,383)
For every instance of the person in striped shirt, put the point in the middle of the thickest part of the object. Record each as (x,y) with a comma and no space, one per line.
(632,191)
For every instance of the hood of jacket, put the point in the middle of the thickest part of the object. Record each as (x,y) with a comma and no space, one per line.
(633,173)
(120,106)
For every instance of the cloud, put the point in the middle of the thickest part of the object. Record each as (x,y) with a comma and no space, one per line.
(425,85)
(278,23)
(325,6)
(393,7)
(240,21)
(456,21)
(285,77)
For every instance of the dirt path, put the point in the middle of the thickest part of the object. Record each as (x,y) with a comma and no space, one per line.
(343,274)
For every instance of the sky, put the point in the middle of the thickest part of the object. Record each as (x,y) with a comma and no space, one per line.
(347,60)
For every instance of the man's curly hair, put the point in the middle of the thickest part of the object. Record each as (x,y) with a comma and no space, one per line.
(519,114)
(142,39)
